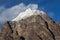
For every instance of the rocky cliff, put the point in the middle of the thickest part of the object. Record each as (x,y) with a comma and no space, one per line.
(36,27)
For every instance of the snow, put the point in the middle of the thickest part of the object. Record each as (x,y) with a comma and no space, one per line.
(29,12)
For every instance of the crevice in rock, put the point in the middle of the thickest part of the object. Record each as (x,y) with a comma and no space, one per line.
(16,32)
(38,36)
(40,17)
(22,38)
(53,36)
(10,27)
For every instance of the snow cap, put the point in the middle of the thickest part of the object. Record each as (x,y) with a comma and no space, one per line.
(29,12)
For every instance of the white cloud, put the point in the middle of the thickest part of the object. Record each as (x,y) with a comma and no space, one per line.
(15,10)
(10,13)
(2,8)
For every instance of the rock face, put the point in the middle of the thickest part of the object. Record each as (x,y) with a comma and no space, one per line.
(36,27)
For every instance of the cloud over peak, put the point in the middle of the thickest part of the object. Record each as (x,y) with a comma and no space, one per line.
(7,14)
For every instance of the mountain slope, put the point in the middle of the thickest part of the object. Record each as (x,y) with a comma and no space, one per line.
(37,26)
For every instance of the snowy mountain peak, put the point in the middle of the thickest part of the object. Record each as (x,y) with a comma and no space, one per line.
(29,12)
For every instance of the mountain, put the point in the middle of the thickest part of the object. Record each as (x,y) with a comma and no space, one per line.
(31,25)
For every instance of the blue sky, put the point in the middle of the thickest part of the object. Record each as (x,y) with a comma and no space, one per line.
(51,7)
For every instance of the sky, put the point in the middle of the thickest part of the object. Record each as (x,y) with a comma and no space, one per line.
(9,9)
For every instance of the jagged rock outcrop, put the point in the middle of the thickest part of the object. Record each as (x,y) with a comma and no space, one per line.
(36,27)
